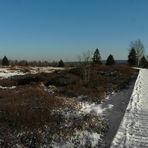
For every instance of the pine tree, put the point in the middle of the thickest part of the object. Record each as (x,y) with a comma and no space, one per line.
(5,61)
(61,63)
(110,60)
(132,58)
(96,57)
(143,62)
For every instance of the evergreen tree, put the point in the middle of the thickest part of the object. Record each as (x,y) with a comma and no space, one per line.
(143,62)
(5,61)
(110,60)
(132,58)
(96,57)
(61,63)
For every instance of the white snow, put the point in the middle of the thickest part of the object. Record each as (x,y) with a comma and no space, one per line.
(12,87)
(133,131)
(84,137)
(94,108)
(35,70)
(6,72)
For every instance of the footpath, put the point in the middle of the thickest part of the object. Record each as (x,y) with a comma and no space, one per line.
(133,130)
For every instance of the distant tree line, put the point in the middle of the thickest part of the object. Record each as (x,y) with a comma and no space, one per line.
(6,62)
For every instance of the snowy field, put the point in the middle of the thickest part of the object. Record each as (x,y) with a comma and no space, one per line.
(133,131)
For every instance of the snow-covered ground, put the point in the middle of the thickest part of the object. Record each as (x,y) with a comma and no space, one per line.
(6,72)
(95,108)
(35,70)
(133,130)
(12,87)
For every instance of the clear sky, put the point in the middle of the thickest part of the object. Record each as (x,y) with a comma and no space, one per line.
(64,29)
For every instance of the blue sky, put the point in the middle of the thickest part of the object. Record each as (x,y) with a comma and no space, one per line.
(64,29)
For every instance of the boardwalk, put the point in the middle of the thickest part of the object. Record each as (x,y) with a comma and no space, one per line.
(133,131)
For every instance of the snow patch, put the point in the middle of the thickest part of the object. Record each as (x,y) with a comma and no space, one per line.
(94,108)
(35,70)
(85,138)
(12,87)
(4,73)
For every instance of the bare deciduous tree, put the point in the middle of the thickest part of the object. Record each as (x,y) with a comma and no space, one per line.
(79,59)
(86,57)
(139,48)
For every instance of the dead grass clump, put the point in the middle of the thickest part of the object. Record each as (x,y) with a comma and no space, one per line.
(26,79)
(7,82)
(62,79)
(124,69)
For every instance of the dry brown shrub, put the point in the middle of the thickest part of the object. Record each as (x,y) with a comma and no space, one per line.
(101,79)
(7,82)
(29,106)
(123,68)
